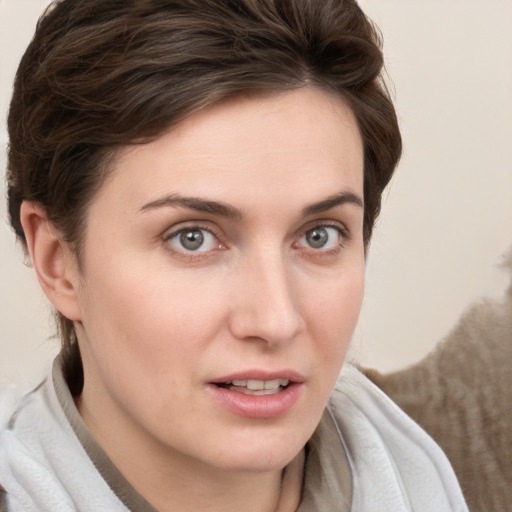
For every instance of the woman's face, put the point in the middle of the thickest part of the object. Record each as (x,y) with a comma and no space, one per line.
(222,279)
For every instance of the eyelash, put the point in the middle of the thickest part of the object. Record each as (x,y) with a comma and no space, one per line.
(190,255)
(344,236)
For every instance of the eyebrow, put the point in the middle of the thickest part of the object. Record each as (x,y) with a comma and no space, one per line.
(235,214)
(333,201)
(197,204)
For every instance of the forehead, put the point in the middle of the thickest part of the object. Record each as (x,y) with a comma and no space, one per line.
(296,143)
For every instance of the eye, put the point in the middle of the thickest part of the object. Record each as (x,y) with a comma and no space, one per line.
(321,237)
(193,239)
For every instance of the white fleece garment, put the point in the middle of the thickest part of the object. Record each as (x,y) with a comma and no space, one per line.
(395,465)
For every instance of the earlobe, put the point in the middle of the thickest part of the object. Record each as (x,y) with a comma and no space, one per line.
(53,261)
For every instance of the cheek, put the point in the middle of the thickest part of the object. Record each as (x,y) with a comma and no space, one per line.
(150,318)
(333,317)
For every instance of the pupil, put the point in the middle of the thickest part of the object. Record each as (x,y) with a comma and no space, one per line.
(192,239)
(317,237)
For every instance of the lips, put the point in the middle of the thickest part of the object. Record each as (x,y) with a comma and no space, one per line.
(258,394)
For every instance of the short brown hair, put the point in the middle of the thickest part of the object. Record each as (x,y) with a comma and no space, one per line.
(100,74)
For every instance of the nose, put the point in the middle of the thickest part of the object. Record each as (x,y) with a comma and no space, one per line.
(266,302)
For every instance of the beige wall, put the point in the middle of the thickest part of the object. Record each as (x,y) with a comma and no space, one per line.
(447,217)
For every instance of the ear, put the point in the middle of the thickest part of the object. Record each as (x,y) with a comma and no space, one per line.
(54,262)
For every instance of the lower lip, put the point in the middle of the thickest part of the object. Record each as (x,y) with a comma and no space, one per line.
(258,406)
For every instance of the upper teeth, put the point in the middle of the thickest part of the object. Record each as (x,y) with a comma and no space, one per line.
(257,385)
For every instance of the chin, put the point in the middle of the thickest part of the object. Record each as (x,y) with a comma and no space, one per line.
(261,452)
(259,463)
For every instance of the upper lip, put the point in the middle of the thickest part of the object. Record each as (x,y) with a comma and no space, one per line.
(264,375)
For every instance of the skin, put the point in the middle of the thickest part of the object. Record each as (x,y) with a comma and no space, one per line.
(158,322)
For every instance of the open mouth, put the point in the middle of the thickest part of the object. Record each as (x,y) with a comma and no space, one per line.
(256,387)
(270,397)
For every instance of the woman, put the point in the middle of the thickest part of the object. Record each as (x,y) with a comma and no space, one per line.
(196,183)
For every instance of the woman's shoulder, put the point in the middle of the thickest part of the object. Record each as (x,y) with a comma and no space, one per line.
(396,465)
(44,464)
(9,399)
